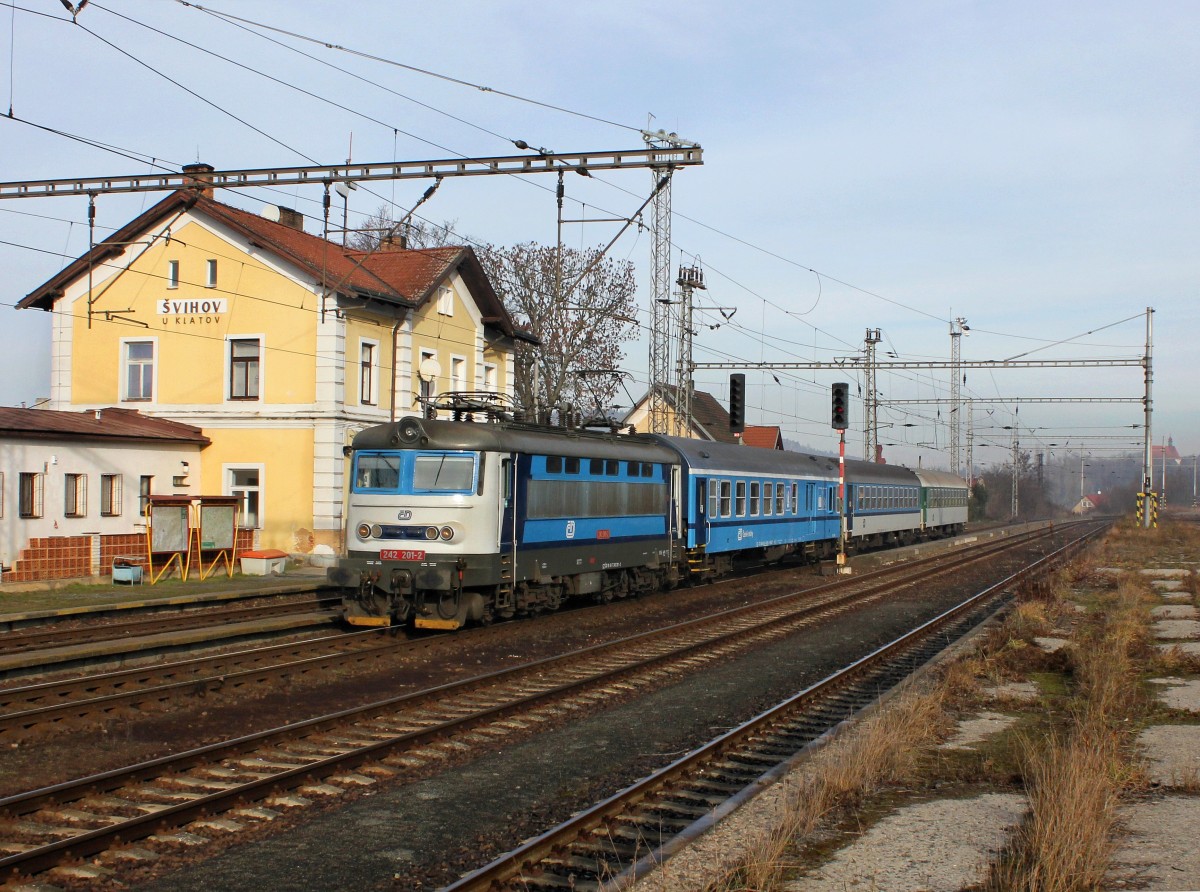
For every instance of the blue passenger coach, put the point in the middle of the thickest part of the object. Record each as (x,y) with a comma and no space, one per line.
(762,501)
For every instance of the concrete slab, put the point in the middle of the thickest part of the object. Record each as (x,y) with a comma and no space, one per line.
(1051,645)
(1148,857)
(978,728)
(1167,585)
(1176,629)
(1022,691)
(1177,597)
(1174,611)
(1190,648)
(1164,572)
(1179,693)
(939,846)
(1172,753)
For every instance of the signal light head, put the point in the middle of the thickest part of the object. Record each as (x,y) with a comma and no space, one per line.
(840,416)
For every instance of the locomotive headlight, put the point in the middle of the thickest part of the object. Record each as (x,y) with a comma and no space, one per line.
(431,532)
(376,531)
(364,531)
(447,533)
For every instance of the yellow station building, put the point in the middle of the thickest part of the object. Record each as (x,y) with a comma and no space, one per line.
(280,345)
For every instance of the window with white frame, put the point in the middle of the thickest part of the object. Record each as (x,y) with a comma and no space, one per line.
(139,370)
(427,387)
(145,483)
(31,489)
(246,484)
(110,495)
(172,273)
(458,373)
(367,373)
(491,377)
(75,495)
(244,368)
(210,279)
(445,301)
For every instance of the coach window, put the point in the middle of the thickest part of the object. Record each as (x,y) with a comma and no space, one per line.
(713,506)
(725,492)
(795,509)
(779,498)
(612,467)
(554,464)
(754,498)
(740,499)
(596,466)
(768,499)
(572,465)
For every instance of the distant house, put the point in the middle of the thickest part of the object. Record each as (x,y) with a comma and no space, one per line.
(73,485)
(279,344)
(1167,453)
(763,436)
(709,421)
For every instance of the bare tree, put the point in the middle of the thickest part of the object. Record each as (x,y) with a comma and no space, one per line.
(582,312)
(411,233)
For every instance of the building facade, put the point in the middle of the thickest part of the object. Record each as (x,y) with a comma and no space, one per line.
(73,486)
(280,345)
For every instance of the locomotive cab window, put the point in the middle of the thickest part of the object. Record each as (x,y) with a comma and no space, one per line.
(444,472)
(377,471)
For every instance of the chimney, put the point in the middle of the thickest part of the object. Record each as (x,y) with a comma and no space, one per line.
(291,218)
(200,176)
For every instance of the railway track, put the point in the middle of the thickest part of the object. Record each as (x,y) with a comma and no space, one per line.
(609,846)
(26,640)
(45,828)
(38,709)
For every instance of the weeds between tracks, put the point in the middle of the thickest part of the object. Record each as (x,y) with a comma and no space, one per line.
(1072,752)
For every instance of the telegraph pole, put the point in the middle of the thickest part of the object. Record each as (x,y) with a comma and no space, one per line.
(957,327)
(871,401)
(1148,460)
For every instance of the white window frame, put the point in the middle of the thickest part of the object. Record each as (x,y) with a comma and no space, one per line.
(458,373)
(36,495)
(262,352)
(111,502)
(145,490)
(233,489)
(425,389)
(125,364)
(75,487)
(172,274)
(445,301)
(368,375)
(210,273)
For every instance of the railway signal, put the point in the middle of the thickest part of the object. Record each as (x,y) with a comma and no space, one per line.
(841,406)
(737,402)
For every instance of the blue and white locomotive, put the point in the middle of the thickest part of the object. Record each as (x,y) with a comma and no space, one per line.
(450,522)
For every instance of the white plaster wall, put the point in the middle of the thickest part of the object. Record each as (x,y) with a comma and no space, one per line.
(57,458)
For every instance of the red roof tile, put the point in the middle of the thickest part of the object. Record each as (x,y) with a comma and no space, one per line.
(104,424)
(395,276)
(763,436)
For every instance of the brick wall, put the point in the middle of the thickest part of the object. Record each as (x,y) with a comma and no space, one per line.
(70,557)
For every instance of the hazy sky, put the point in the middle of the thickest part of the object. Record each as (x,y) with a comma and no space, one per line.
(1030,167)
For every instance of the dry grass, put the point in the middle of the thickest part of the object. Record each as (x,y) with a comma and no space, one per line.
(1074,775)
(1065,843)
(885,750)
